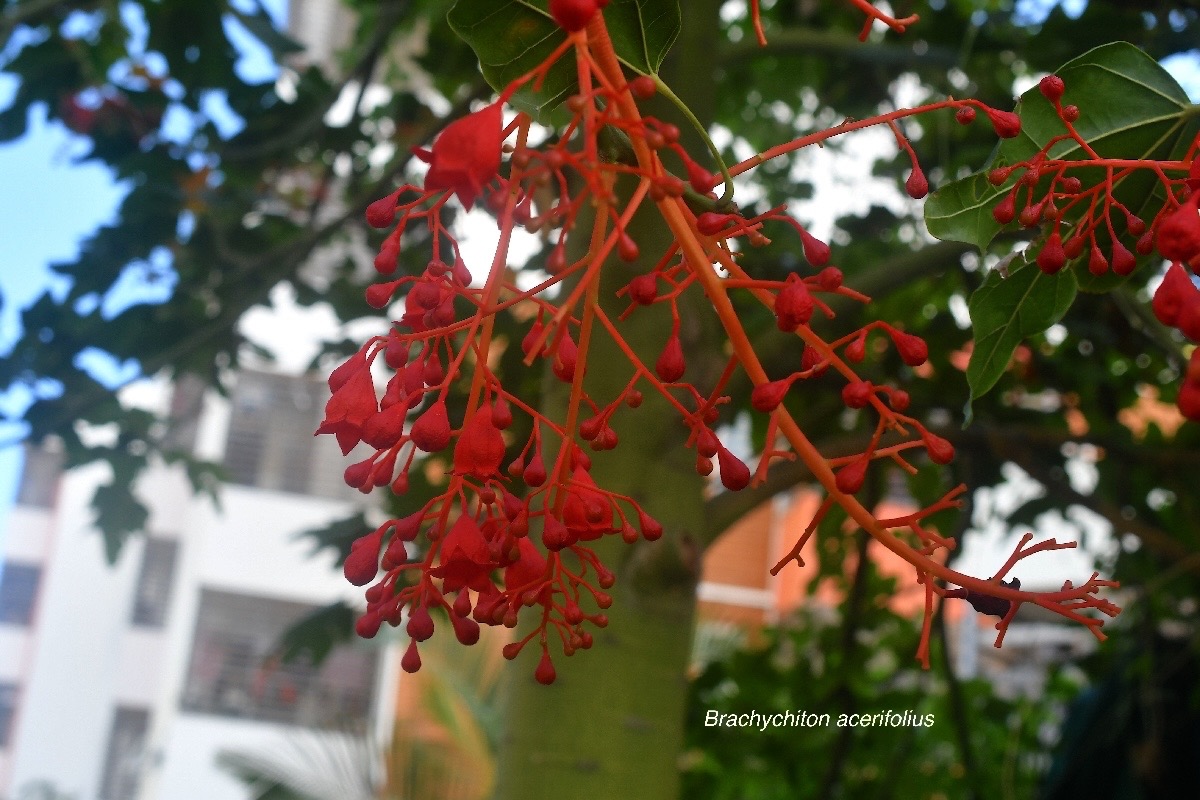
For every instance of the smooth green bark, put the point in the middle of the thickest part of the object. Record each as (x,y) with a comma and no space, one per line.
(611,726)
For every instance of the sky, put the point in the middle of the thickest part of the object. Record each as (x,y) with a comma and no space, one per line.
(50,201)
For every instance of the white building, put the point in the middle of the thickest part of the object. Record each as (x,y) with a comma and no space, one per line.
(124,682)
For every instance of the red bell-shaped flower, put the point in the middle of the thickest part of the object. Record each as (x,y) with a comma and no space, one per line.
(465,559)
(466,156)
(480,447)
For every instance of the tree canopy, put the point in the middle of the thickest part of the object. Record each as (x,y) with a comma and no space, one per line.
(1072,376)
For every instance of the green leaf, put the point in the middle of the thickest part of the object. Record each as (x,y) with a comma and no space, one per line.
(1129,108)
(118,516)
(1006,310)
(338,535)
(315,635)
(962,211)
(513,37)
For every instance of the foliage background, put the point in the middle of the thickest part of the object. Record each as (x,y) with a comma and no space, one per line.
(222,217)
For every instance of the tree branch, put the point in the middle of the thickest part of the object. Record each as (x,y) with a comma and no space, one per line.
(800,41)
(1013,442)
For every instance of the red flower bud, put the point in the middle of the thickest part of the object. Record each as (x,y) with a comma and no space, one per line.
(565,358)
(362,564)
(627,248)
(1052,258)
(999,175)
(1051,87)
(643,289)
(573,15)
(1179,233)
(1006,124)
(384,429)
(501,413)
(856,351)
(766,397)
(816,252)
(1097,263)
(1006,210)
(368,625)
(701,179)
(466,630)
(830,279)
(670,365)
(555,535)
(420,624)
(1189,401)
(1123,261)
(1073,247)
(912,349)
(643,87)
(917,185)
(857,394)
(1189,319)
(793,305)
(735,475)
(411,661)
(431,431)
(380,294)
(1176,291)
(711,223)
(535,333)
(850,478)
(965,115)
(545,673)
(382,213)
(535,473)
(940,451)
(651,529)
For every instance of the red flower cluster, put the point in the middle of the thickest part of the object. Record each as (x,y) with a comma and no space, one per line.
(1089,219)
(501,540)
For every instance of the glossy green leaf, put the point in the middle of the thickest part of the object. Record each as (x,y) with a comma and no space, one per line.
(513,37)
(1129,107)
(1004,311)
(962,211)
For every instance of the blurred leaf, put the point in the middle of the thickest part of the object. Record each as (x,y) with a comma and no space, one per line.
(337,535)
(315,635)
(118,515)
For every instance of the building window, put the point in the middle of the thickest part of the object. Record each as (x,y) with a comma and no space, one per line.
(18,590)
(270,441)
(8,710)
(154,582)
(39,477)
(233,671)
(126,751)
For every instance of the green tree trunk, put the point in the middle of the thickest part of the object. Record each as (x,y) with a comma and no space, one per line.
(611,726)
